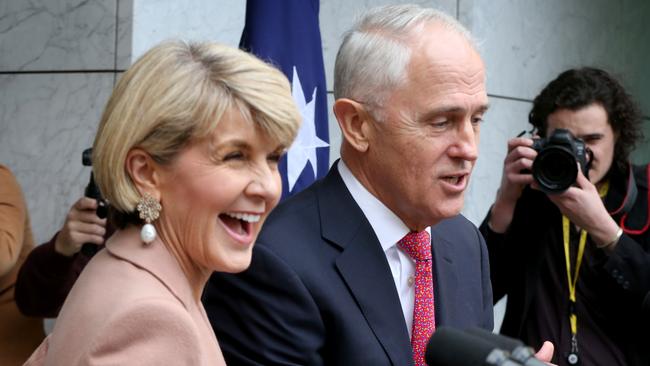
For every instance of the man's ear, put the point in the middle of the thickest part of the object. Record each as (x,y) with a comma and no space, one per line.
(354,122)
(143,171)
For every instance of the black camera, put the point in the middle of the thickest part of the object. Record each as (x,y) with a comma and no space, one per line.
(92,191)
(555,168)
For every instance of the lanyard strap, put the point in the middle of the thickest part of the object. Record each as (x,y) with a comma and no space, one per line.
(573,279)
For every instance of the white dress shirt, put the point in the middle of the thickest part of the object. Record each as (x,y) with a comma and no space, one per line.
(389,230)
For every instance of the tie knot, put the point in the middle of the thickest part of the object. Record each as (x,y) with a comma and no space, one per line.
(417,245)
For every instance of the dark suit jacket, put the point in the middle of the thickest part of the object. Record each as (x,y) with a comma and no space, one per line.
(319,290)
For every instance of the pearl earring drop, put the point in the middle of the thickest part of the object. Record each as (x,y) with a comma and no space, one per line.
(149,210)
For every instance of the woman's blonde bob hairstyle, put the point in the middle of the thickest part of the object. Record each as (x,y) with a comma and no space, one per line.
(178,92)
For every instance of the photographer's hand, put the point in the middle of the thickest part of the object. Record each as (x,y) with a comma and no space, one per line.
(584,207)
(519,158)
(81,226)
(545,353)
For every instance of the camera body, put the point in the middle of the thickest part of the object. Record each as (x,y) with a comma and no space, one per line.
(92,191)
(555,168)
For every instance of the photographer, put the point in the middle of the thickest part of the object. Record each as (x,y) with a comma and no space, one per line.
(591,313)
(51,269)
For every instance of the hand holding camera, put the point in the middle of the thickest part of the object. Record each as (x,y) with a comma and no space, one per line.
(82,225)
(558,166)
(548,164)
(85,224)
(516,176)
(582,204)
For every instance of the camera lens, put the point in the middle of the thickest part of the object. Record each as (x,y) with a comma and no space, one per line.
(555,169)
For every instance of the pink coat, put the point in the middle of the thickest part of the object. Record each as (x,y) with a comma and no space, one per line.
(132,305)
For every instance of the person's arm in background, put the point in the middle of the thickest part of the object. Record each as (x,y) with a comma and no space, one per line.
(51,269)
(513,181)
(515,177)
(628,256)
(12,221)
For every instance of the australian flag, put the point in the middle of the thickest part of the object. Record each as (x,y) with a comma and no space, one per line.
(286,33)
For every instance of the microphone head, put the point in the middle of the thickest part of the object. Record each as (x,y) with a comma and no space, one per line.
(449,346)
(499,341)
(518,350)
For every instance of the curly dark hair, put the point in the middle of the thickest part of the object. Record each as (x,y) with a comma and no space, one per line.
(577,88)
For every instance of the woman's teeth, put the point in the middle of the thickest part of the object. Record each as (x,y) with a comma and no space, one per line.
(244,217)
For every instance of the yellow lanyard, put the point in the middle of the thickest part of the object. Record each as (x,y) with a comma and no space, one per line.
(581,250)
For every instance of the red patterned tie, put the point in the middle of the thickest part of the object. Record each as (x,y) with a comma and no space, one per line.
(418,247)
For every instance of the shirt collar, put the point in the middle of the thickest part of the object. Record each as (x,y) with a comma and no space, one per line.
(387,226)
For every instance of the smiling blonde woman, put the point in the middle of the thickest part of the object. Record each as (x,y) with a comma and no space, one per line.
(186,153)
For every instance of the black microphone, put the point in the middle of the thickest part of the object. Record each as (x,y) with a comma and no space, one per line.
(449,346)
(518,350)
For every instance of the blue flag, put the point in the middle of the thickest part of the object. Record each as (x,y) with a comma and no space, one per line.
(286,34)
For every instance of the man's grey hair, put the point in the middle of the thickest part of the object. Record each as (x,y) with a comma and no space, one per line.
(373,58)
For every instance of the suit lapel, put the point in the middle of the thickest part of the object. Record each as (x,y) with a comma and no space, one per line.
(445,281)
(364,267)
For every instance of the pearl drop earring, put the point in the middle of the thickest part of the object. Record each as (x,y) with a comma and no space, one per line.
(149,210)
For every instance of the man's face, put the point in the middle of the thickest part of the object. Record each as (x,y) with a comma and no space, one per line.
(592,125)
(421,154)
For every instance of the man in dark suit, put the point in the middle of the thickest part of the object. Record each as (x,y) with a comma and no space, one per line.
(335,278)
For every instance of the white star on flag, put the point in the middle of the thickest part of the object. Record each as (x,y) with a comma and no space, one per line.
(304,147)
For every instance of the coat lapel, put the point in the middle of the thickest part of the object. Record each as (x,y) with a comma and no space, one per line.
(364,267)
(445,281)
(154,258)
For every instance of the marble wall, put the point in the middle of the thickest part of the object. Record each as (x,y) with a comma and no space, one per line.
(200,20)
(58,63)
(525,44)
(59,60)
